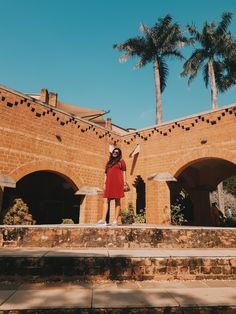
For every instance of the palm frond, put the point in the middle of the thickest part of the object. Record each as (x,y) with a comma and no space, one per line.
(164,22)
(195,35)
(208,39)
(206,75)
(163,71)
(219,75)
(124,58)
(132,47)
(174,53)
(193,64)
(228,72)
(143,28)
(161,31)
(141,63)
(224,23)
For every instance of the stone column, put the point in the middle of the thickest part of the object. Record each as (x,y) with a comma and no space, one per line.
(158,203)
(91,208)
(220,190)
(82,217)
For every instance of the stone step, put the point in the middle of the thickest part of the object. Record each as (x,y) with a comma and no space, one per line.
(94,264)
(130,236)
(148,297)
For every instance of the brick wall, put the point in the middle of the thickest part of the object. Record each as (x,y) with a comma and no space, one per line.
(176,145)
(36,136)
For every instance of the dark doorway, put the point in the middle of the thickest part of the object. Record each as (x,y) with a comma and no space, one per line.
(49,195)
(198,179)
(140,194)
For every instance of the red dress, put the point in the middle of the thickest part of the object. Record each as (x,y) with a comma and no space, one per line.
(114,187)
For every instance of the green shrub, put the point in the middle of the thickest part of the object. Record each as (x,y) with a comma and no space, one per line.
(127,216)
(18,214)
(177,215)
(67,221)
(141,217)
(230,222)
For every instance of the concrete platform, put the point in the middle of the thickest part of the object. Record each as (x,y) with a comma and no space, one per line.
(119,297)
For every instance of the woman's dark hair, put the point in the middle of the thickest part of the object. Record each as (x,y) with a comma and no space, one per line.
(113,160)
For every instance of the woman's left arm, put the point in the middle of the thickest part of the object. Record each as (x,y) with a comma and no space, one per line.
(124,170)
(125,176)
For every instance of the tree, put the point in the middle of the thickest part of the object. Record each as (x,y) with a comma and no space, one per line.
(228,68)
(162,40)
(17,214)
(215,43)
(230,185)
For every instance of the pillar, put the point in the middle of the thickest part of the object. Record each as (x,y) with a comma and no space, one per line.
(158,203)
(91,209)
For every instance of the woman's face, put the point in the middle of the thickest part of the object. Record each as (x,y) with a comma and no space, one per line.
(115,153)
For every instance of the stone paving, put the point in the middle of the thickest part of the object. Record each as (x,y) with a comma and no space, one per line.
(109,295)
(111,252)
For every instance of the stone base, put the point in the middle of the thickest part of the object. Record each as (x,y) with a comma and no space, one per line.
(131,236)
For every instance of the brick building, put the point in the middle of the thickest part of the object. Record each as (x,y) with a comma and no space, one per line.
(53,155)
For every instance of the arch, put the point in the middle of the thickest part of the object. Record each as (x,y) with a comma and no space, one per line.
(49,196)
(199,177)
(56,167)
(187,159)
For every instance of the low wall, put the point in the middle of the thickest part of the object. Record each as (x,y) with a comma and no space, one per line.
(99,268)
(135,236)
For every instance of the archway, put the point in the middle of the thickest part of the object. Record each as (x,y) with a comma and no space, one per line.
(199,178)
(49,195)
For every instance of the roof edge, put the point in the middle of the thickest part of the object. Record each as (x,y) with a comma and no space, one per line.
(180,119)
(56,109)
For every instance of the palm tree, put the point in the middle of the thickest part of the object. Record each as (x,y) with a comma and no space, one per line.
(162,40)
(215,41)
(228,69)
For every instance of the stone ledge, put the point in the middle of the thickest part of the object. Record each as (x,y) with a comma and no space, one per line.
(148,236)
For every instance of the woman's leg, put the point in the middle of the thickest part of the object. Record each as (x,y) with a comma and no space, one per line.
(117,208)
(105,210)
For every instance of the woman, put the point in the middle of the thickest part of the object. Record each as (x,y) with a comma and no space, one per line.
(114,184)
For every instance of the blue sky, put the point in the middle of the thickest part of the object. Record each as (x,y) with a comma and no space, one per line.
(66,47)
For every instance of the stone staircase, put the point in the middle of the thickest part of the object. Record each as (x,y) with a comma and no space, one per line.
(125,255)
(117,253)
